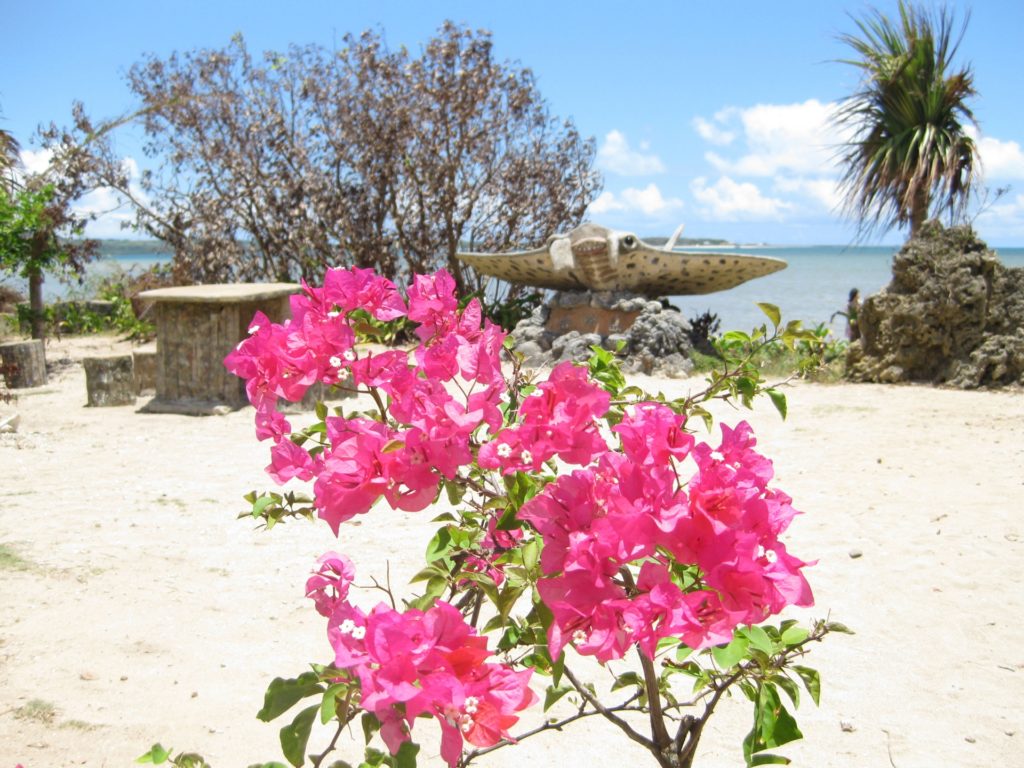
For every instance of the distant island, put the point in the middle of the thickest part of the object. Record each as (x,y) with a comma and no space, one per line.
(691,241)
(113,248)
(118,247)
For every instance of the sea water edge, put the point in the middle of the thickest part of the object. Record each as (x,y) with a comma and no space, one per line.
(814,286)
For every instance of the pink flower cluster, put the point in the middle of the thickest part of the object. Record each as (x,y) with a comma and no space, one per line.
(708,548)
(365,459)
(419,663)
(652,535)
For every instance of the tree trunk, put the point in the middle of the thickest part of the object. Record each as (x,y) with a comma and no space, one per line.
(919,212)
(35,304)
(23,364)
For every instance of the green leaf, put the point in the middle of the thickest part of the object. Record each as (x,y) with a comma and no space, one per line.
(440,545)
(779,401)
(727,656)
(370,725)
(295,736)
(283,693)
(156,755)
(811,679)
(767,759)
(373,758)
(665,644)
(455,492)
(794,635)
(791,688)
(321,410)
(835,626)
(406,757)
(261,504)
(554,693)
(736,336)
(760,640)
(771,312)
(531,554)
(329,705)
(626,680)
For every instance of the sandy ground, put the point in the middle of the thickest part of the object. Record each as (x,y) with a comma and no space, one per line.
(136,608)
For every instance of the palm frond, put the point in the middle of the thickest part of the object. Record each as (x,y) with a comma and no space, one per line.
(908,153)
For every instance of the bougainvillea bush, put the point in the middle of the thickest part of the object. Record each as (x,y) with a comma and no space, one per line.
(584,518)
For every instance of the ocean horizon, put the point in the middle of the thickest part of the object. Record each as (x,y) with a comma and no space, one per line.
(814,285)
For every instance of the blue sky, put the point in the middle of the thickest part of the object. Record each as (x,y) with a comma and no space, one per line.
(713,114)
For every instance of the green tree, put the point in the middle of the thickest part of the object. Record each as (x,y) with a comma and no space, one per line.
(909,155)
(32,220)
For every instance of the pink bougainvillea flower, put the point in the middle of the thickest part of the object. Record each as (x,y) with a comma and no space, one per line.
(432,304)
(351,289)
(330,583)
(288,460)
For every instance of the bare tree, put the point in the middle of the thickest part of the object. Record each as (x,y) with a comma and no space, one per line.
(281,167)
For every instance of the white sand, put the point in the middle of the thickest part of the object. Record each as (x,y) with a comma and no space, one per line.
(144,611)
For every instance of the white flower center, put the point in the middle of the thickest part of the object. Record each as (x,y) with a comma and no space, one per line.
(472,702)
(527,457)
(359,633)
(347,626)
(504,450)
(335,361)
(579,637)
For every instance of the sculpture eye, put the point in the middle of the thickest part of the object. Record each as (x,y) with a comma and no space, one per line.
(629,241)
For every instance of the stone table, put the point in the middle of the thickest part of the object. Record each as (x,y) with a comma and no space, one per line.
(196,327)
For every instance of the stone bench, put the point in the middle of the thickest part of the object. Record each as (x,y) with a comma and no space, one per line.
(196,327)
(109,380)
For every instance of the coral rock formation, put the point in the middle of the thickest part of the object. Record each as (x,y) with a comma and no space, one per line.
(653,339)
(953,314)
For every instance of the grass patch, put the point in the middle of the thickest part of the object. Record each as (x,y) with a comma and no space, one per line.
(78,725)
(37,710)
(10,560)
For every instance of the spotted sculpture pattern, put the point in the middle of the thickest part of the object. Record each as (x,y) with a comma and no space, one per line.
(592,257)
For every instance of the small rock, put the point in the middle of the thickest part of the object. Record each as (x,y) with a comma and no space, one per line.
(195,694)
(846,726)
(87,676)
(123,678)
(855,553)
(970,739)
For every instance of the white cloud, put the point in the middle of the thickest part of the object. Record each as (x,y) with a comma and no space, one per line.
(793,138)
(1004,219)
(728,200)
(616,156)
(713,132)
(823,193)
(647,201)
(605,202)
(999,159)
(36,160)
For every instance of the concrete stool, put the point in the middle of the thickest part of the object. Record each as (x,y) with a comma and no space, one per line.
(109,380)
(24,363)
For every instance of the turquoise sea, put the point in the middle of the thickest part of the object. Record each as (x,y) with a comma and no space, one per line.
(814,285)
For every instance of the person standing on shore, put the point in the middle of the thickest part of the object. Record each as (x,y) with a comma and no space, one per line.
(852,315)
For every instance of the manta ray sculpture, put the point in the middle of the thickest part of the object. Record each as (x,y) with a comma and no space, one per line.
(601,259)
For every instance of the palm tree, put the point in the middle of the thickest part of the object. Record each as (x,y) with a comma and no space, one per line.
(908,152)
